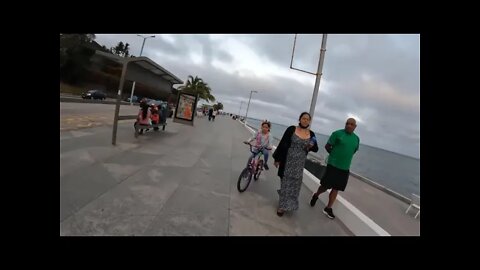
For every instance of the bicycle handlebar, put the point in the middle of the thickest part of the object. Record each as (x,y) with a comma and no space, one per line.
(259,149)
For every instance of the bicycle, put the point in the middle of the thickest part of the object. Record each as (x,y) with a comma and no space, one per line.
(254,168)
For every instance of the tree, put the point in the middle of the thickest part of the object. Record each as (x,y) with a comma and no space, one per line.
(218,106)
(121,49)
(71,42)
(117,49)
(197,86)
(75,54)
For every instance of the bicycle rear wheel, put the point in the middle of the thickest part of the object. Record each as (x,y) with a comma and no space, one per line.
(244,180)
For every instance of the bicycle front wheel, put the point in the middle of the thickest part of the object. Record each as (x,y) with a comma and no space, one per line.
(244,180)
(259,170)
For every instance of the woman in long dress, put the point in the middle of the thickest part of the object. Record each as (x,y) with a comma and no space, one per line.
(289,158)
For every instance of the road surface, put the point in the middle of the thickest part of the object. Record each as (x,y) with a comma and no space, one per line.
(86,115)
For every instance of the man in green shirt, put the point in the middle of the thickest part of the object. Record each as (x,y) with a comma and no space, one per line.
(341,146)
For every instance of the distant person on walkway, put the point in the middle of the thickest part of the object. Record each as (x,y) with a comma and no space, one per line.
(341,146)
(290,155)
(210,114)
(214,113)
(261,139)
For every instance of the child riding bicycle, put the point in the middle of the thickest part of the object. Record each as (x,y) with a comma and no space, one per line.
(262,142)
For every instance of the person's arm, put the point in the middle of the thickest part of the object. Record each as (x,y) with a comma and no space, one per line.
(358,145)
(276,154)
(314,147)
(251,139)
(280,148)
(269,145)
(328,147)
(331,142)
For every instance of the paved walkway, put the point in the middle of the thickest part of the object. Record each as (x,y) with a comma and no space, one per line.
(178,182)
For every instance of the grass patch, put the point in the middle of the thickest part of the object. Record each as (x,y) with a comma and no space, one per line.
(71,89)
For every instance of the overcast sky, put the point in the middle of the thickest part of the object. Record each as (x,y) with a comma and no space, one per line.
(373,78)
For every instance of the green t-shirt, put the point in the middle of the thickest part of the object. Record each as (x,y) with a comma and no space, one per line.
(344,146)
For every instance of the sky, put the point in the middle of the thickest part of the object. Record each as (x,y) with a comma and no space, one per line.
(373,78)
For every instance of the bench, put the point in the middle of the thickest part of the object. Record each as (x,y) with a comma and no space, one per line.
(163,117)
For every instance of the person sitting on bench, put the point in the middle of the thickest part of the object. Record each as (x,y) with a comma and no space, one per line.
(144,115)
(155,117)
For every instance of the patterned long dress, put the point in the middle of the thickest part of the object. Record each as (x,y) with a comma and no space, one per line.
(293,175)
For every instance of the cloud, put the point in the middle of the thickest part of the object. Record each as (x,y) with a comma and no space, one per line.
(374,77)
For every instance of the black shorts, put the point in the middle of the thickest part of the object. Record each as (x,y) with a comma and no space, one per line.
(335,178)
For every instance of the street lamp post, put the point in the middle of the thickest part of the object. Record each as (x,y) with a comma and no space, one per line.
(141,51)
(248,106)
(318,75)
(241,103)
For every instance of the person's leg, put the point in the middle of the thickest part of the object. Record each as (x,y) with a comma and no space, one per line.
(282,198)
(340,184)
(320,190)
(265,157)
(325,182)
(332,197)
(250,159)
(314,198)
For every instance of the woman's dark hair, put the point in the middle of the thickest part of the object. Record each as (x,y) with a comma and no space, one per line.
(303,113)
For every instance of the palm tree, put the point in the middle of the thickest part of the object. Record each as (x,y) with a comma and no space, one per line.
(197,86)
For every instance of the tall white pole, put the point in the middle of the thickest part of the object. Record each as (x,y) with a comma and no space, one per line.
(318,76)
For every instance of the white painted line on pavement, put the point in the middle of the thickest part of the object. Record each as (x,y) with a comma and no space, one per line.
(354,210)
